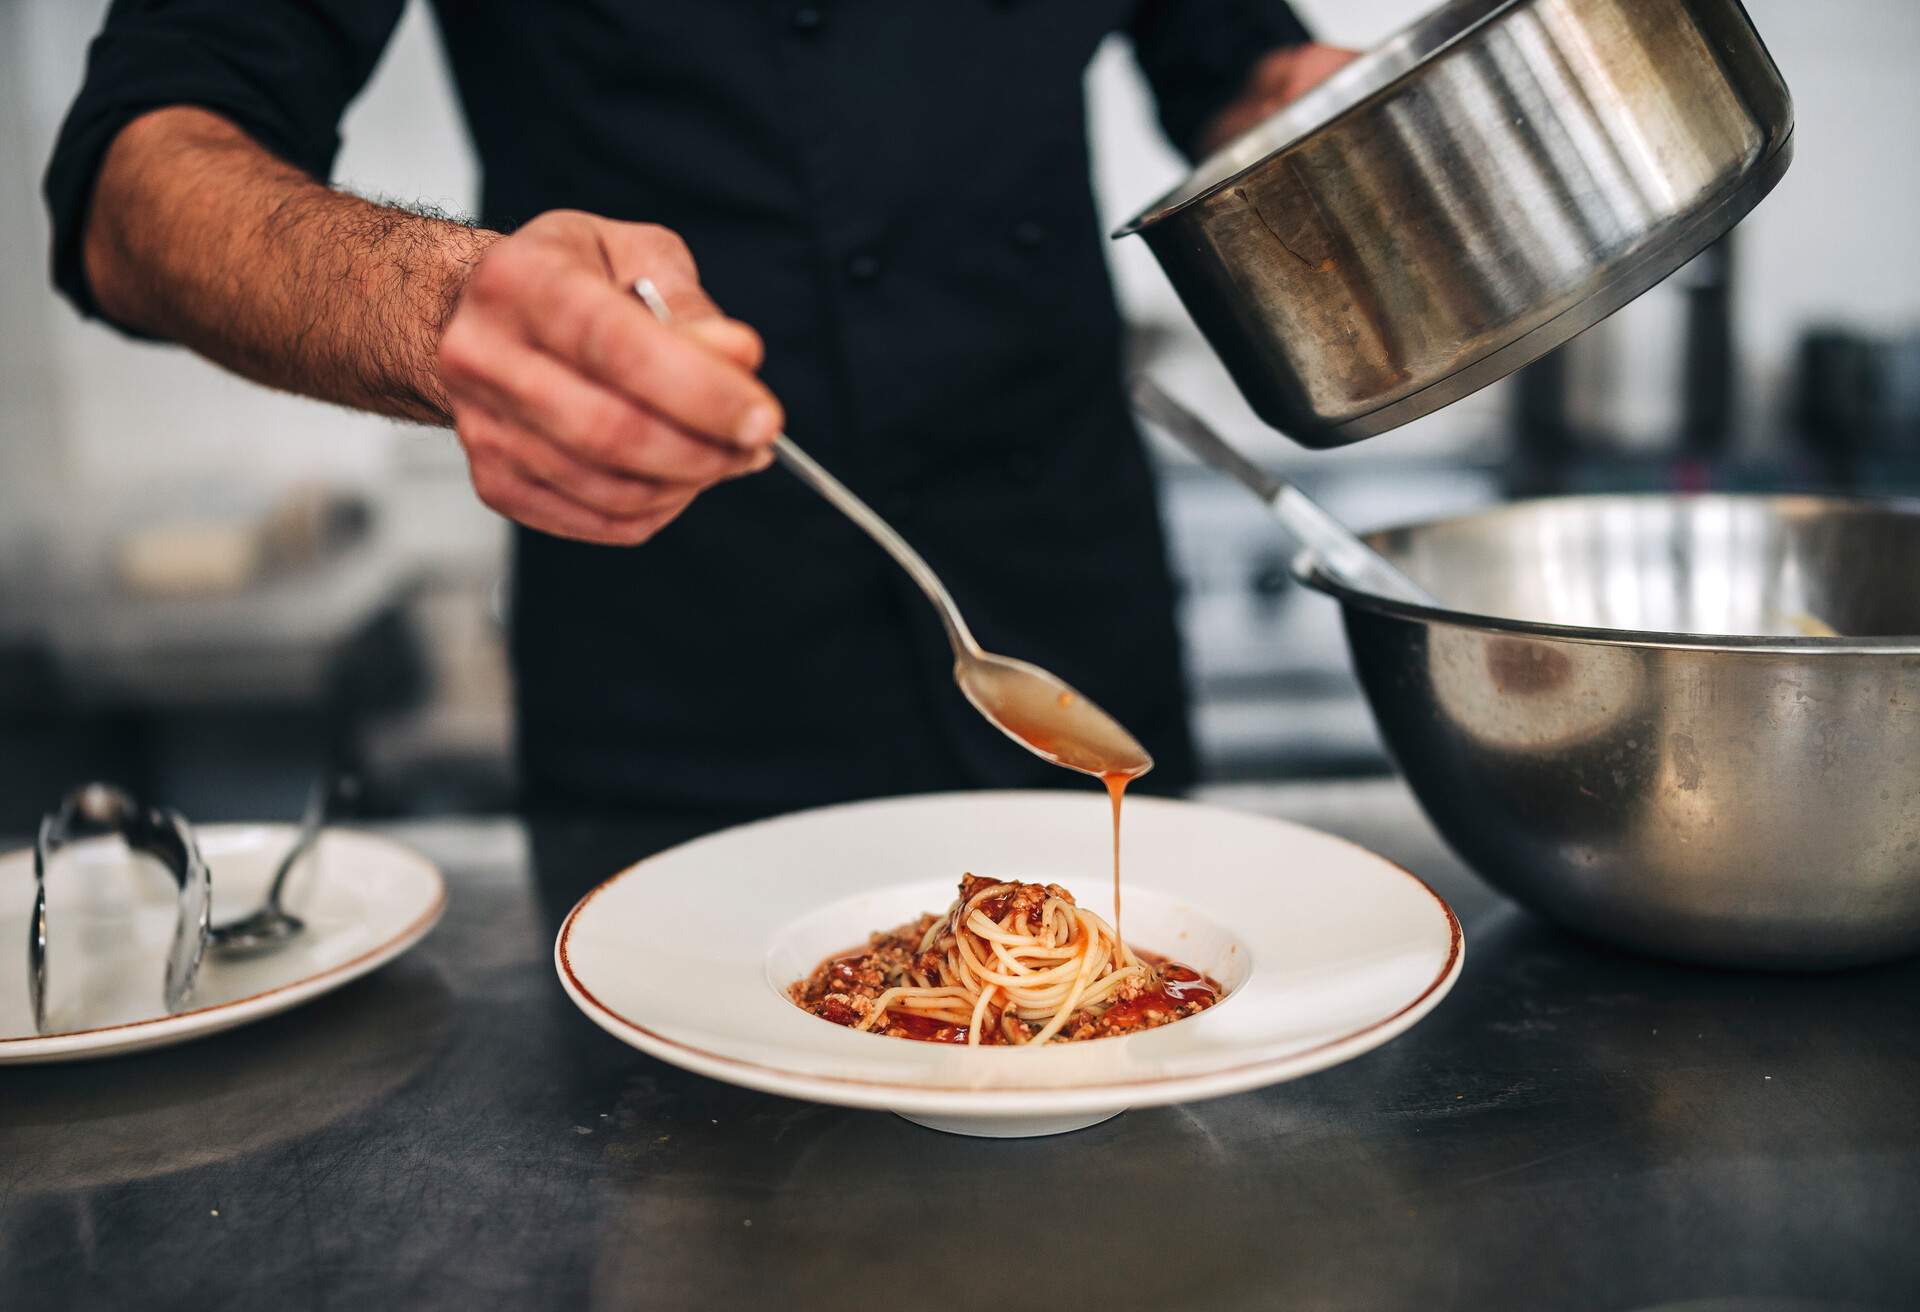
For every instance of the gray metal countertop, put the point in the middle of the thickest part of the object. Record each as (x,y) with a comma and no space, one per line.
(1572,1128)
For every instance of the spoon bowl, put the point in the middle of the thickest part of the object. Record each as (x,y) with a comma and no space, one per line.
(262,931)
(1048,717)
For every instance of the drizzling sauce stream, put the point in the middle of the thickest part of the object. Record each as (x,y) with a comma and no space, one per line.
(1116,789)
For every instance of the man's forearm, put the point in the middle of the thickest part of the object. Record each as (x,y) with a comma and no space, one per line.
(200,235)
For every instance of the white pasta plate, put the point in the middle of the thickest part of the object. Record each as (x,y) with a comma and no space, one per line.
(1325,951)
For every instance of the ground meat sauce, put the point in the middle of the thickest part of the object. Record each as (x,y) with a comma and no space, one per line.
(844,988)
(1181,991)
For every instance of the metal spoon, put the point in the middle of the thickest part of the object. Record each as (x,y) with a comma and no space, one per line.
(272,925)
(1035,708)
(1343,556)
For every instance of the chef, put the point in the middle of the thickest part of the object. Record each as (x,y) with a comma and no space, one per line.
(873,222)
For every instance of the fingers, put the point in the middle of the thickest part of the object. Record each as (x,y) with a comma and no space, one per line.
(540,487)
(1302,68)
(730,338)
(635,250)
(661,255)
(1277,80)
(557,285)
(620,496)
(593,425)
(541,508)
(612,338)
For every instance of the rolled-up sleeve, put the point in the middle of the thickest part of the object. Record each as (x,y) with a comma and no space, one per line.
(283,71)
(1197,54)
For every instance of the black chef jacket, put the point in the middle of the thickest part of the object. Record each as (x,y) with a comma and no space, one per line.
(897,196)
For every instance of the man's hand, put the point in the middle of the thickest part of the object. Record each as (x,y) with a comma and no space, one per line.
(581,414)
(1276,81)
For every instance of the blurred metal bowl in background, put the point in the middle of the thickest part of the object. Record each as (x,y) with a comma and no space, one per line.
(1596,731)
(1460,201)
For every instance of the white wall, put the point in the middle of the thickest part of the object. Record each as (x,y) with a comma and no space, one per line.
(28,416)
(1836,240)
(124,415)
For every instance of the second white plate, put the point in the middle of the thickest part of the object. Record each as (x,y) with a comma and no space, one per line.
(365,900)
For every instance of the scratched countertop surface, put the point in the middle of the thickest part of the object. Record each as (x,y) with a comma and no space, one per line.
(1571,1128)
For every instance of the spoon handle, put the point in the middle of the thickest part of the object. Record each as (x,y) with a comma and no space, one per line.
(1339,552)
(814,475)
(310,822)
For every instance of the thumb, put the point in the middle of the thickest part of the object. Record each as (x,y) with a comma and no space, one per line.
(727,337)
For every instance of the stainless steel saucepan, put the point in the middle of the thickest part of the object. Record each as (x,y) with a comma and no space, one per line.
(1592,731)
(1457,203)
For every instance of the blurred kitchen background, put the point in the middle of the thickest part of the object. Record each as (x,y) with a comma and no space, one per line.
(206,588)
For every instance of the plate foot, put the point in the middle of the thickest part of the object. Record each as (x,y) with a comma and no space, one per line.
(1010,1127)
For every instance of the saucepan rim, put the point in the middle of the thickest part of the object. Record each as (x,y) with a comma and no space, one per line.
(1307,570)
(1310,109)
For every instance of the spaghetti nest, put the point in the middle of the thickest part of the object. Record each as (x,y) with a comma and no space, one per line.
(1009,964)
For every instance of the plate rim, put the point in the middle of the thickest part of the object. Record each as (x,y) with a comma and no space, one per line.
(100,1040)
(989,1103)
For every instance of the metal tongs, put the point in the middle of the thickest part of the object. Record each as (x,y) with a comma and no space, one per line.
(158,832)
(166,836)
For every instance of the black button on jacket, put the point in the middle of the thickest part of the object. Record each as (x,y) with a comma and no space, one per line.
(896,195)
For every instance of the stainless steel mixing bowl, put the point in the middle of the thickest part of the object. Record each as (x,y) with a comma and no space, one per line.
(1494,179)
(1593,733)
